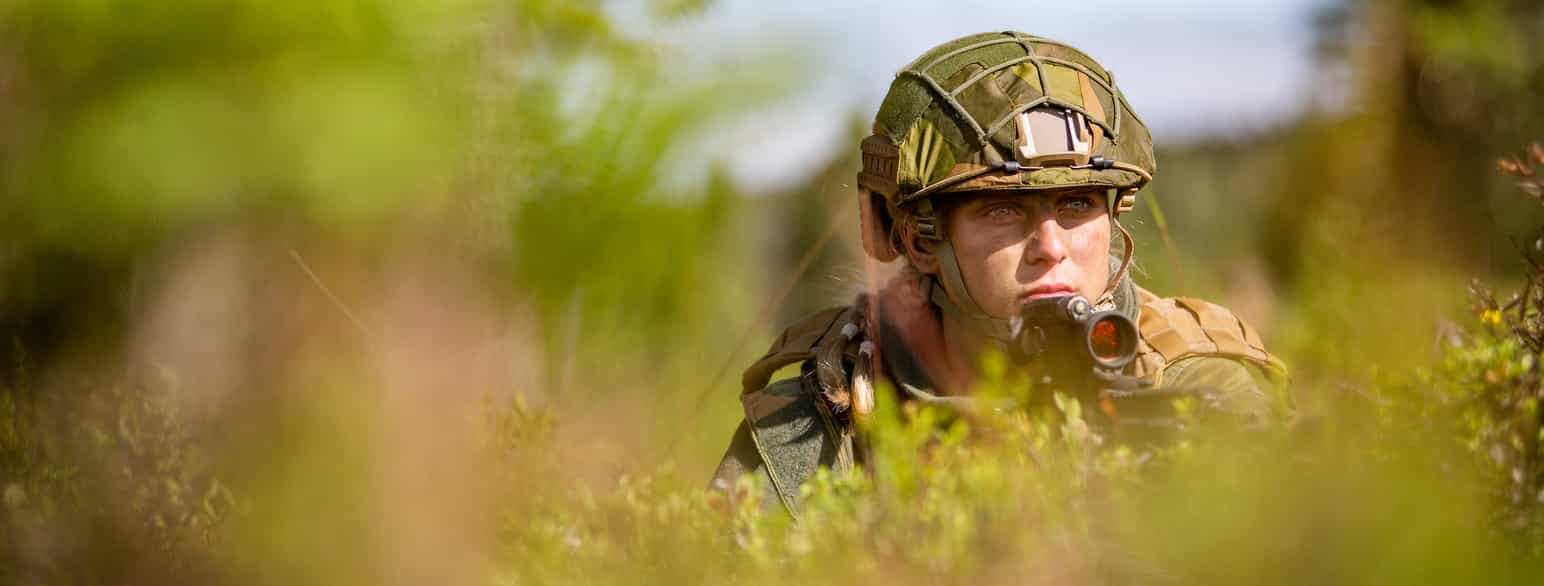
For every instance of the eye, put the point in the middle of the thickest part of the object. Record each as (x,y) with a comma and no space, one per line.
(1076,205)
(1003,211)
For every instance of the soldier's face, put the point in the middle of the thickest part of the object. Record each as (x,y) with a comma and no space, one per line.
(1013,247)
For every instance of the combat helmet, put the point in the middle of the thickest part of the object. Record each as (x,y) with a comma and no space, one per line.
(995,112)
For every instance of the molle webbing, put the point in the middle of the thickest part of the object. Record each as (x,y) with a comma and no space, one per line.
(1184,327)
(880,158)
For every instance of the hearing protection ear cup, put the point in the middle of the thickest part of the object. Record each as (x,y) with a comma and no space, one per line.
(878,226)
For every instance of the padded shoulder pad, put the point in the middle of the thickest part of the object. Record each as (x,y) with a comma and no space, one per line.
(794,435)
(796,344)
(1181,327)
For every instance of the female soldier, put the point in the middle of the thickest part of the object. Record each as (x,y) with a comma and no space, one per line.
(998,169)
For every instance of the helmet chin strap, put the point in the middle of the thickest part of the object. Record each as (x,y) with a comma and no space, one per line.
(949,293)
(1107,299)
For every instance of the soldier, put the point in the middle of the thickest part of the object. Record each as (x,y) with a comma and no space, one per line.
(998,168)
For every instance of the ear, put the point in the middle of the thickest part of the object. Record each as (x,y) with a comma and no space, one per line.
(919,250)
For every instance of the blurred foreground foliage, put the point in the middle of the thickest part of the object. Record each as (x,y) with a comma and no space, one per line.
(1441,489)
(113,463)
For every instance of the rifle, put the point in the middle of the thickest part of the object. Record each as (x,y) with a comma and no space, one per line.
(1067,345)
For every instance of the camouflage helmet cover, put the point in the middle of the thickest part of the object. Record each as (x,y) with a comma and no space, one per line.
(948,122)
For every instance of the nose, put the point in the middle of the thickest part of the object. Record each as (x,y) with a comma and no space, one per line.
(1045,242)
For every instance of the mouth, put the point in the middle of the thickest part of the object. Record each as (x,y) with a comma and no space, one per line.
(1047,290)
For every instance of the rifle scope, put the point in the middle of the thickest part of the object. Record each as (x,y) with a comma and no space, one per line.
(1066,332)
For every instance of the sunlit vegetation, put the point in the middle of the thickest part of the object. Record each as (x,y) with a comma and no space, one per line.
(415,292)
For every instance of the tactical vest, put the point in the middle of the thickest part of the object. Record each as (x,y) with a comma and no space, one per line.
(796,431)
(1178,328)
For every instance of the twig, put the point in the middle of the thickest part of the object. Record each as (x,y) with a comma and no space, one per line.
(1168,242)
(765,314)
(359,325)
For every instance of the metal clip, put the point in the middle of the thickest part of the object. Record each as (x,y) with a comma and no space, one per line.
(927,229)
(850,331)
(1127,201)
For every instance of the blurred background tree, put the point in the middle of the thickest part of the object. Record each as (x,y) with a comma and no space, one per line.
(234,217)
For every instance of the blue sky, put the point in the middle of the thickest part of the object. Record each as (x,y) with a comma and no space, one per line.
(1189,67)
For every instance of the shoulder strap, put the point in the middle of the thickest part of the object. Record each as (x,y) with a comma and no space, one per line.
(791,424)
(831,339)
(1173,328)
(795,345)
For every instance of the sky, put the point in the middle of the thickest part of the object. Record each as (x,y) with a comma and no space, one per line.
(1190,68)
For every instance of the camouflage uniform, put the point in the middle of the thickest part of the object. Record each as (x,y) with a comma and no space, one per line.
(989,112)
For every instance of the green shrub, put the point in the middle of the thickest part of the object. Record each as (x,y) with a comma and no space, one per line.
(101,479)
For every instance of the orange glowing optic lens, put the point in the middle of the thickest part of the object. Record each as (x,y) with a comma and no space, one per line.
(1105,339)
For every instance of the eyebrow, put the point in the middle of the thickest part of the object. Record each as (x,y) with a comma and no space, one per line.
(991,198)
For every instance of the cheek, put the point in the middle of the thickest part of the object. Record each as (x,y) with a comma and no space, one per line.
(993,279)
(1089,247)
(989,258)
(1090,239)
(990,250)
